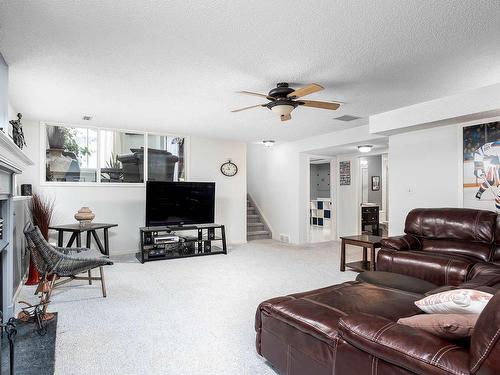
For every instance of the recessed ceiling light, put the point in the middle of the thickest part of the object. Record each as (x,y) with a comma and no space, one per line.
(268,142)
(87,117)
(365,148)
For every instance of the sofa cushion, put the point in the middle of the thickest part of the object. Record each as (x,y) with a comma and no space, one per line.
(317,312)
(460,224)
(407,347)
(447,326)
(397,281)
(457,301)
(480,251)
(439,269)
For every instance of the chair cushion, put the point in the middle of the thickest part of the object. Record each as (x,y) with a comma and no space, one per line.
(397,281)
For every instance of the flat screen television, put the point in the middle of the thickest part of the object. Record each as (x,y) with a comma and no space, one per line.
(179,203)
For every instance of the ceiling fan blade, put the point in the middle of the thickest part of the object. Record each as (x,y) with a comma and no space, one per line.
(252,106)
(306,90)
(251,93)
(286,117)
(322,105)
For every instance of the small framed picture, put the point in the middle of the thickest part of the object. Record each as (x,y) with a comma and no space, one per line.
(375,183)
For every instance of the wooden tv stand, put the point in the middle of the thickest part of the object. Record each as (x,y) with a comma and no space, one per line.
(194,240)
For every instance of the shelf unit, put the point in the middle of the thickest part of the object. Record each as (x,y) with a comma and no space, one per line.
(194,240)
(320,212)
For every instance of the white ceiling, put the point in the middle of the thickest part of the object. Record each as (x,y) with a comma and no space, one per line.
(380,145)
(174,66)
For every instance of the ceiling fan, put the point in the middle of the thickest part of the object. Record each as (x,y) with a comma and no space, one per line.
(283,99)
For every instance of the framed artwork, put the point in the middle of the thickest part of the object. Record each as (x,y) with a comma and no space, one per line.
(375,183)
(345,172)
(481,164)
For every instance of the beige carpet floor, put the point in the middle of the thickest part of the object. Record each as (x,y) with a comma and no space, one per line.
(185,316)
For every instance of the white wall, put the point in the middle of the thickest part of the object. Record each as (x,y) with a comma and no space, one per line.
(206,157)
(466,106)
(425,157)
(273,175)
(348,197)
(278,181)
(125,205)
(424,170)
(4,88)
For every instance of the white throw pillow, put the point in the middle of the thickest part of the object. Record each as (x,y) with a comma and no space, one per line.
(457,301)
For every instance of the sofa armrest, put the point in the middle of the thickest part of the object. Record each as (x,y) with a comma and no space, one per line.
(406,347)
(483,274)
(401,243)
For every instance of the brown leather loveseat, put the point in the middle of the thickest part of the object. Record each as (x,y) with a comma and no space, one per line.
(351,328)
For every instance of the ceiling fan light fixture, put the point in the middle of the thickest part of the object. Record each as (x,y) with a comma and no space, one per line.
(282,109)
(365,148)
(268,142)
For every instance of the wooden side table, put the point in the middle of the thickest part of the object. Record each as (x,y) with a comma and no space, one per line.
(76,231)
(365,241)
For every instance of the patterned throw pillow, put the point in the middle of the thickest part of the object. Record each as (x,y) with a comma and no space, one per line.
(457,301)
(447,326)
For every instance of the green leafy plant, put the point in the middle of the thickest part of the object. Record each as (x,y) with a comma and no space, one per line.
(113,162)
(71,145)
(61,137)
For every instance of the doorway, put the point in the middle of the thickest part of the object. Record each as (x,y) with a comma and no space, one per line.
(373,176)
(321,202)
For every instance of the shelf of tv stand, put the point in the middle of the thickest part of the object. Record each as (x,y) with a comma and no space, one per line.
(173,228)
(174,250)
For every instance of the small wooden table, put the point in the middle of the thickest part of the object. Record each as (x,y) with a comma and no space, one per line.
(76,231)
(366,241)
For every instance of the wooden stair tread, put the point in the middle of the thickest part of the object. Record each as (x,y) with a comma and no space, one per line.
(258,232)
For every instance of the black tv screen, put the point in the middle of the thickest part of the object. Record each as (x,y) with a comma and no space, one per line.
(178,203)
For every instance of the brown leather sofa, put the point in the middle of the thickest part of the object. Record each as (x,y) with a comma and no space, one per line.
(441,245)
(351,328)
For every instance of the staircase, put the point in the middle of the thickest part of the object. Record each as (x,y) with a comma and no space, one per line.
(256,228)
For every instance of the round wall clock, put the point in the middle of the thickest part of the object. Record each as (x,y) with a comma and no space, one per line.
(229,169)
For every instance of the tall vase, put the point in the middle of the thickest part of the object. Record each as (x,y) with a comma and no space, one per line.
(33,274)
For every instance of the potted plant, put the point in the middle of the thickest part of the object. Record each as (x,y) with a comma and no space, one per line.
(63,153)
(114,168)
(40,210)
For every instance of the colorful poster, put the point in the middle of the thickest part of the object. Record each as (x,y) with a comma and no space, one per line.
(481,152)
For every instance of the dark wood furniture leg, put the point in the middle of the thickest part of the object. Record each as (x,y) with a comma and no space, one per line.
(372,258)
(106,242)
(342,256)
(60,236)
(88,242)
(365,254)
(71,240)
(78,239)
(98,242)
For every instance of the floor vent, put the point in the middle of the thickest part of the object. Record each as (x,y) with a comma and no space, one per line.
(284,238)
(347,118)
